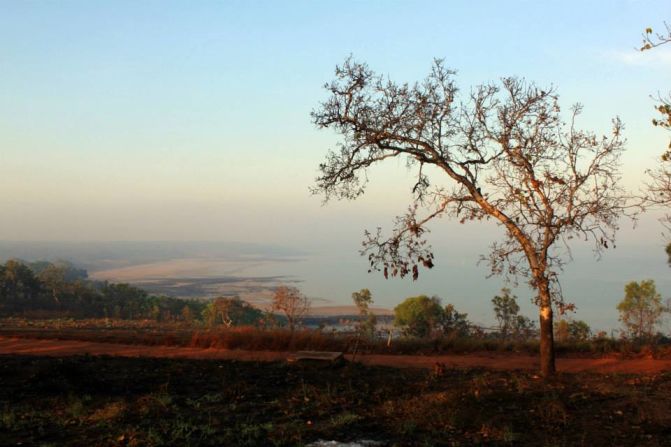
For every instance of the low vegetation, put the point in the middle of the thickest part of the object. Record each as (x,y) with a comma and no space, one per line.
(421,325)
(153,333)
(150,402)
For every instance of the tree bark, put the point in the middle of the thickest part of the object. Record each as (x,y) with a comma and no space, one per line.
(546,335)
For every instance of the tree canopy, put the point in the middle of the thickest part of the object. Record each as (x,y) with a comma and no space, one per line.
(501,151)
(640,309)
(230,312)
(420,316)
(62,290)
(505,309)
(367,319)
(290,302)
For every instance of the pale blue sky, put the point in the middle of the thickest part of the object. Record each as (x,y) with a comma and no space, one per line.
(190,120)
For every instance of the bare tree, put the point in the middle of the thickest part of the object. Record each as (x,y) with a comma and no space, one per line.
(659,187)
(659,192)
(506,155)
(367,319)
(293,304)
(653,39)
(505,309)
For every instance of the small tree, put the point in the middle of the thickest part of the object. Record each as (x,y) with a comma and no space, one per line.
(154,312)
(501,152)
(419,316)
(572,330)
(53,278)
(187,314)
(212,315)
(367,319)
(230,312)
(506,309)
(578,330)
(640,309)
(454,322)
(292,303)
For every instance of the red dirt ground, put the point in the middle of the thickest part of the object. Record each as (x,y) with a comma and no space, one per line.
(505,361)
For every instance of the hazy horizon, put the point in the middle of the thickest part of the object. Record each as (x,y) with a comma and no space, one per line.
(329,278)
(176,122)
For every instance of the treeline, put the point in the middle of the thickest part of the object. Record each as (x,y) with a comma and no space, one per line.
(426,317)
(59,289)
(423,317)
(641,313)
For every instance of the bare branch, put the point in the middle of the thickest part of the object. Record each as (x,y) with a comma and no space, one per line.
(652,40)
(506,152)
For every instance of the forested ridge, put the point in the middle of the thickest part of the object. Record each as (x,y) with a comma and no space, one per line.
(60,289)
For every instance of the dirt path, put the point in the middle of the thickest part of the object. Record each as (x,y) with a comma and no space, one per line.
(507,361)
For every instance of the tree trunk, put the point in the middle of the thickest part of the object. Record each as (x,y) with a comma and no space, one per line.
(546,334)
